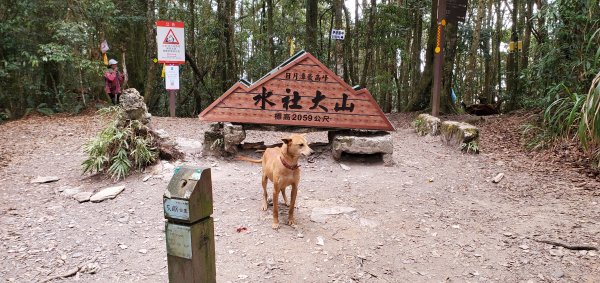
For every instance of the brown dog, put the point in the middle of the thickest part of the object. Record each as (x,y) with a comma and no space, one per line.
(280,165)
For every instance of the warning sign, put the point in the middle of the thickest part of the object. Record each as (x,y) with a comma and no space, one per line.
(299,92)
(171,38)
(171,42)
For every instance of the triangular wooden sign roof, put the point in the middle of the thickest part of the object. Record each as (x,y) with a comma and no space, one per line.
(299,92)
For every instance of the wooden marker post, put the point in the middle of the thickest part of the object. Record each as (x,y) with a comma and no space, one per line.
(190,236)
(172,99)
(438,59)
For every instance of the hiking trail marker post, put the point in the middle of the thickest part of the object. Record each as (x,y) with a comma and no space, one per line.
(190,236)
(170,38)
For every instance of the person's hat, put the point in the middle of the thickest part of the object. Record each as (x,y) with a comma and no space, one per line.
(112,62)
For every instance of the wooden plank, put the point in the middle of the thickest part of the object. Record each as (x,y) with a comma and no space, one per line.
(302,93)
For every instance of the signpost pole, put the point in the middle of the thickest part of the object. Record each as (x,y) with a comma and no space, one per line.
(438,59)
(172,96)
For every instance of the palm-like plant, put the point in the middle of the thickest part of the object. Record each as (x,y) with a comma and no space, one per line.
(122,146)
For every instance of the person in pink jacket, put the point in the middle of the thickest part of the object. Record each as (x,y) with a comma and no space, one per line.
(113,80)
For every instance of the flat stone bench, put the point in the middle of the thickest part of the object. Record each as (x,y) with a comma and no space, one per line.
(461,134)
(362,142)
(426,124)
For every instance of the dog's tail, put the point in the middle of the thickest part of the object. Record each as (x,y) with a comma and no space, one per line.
(243,158)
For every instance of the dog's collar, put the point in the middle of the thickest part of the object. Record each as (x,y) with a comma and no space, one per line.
(287,165)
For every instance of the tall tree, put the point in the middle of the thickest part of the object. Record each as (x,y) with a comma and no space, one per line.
(472,91)
(369,43)
(312,17)
(149,96)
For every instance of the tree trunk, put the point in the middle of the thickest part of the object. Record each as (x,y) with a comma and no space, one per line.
(471,91)
(446,104)
(527,36)
(337,23)
(355,50)
(270,33)
(415,53)
(422,94)
(348,60)
(512,67)
(150,53)
(369,43)
(312,16)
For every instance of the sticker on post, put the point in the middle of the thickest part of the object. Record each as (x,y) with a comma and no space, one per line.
(179,240)
(177,209)
(196,176)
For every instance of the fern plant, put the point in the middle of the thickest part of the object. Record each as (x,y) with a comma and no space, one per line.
(120,147)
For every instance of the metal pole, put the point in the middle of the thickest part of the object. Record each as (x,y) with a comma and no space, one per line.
(438,59)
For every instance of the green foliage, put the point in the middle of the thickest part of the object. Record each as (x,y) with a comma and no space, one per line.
(470,147)
(420,127)
(575,116)
(122,146)
(589,126)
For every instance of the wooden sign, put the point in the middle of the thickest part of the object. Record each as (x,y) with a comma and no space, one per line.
(299,92)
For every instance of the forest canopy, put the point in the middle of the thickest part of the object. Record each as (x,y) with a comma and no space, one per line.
(51,60)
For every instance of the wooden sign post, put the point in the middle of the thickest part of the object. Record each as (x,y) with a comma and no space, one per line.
(170,38)
(299,92)
(190,236)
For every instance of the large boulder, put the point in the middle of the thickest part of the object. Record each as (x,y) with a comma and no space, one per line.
(233,135)
(134,106)
(461,134)
(213,144)
(362,142)
(426,124)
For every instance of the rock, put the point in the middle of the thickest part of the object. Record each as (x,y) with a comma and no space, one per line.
(214,144)
(368,223)
(43,180)
(558,274)
(68,192)
(498,178)
(143,251)
(192,145)
(134,106)
(90,268)
(426,124)
(108,193)
(233,135)
(320,241)
(76,255)
(300,235)
(362,142)
(463,135)
(345,167)
(524,247)
(83,196)
(242,276)
(162,134)
(123,247)
(146,178)
(320,214)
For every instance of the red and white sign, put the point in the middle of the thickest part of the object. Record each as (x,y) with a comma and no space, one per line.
(170,38)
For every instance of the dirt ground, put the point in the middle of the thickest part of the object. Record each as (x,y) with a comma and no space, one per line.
(433,217)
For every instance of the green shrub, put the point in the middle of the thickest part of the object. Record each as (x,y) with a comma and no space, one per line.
(122,146)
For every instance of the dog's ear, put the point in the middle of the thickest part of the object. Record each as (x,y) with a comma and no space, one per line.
(286,140)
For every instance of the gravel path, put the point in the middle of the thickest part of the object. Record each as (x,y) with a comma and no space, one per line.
(433,217)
